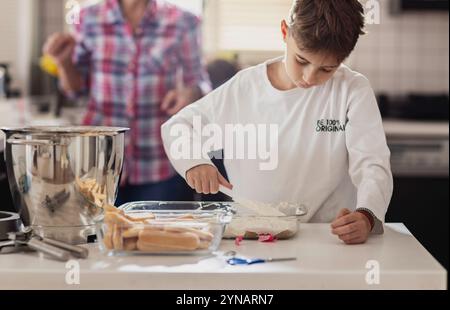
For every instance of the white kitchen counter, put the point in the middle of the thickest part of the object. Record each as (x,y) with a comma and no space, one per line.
(323,262)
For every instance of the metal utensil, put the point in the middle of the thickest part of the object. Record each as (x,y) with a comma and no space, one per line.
(9,246)
(55,249)
(250,261)
(44,165)
(76,251)
(34,243)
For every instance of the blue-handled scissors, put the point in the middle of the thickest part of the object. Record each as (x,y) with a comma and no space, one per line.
(250,261)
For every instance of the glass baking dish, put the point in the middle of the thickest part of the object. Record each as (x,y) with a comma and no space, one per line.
(163,228)
(252,220)
(247,221)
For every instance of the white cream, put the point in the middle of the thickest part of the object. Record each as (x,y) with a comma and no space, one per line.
(259,218)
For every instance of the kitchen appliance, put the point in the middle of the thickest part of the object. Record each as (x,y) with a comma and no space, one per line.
(5,82)
(9,222)
(60,177)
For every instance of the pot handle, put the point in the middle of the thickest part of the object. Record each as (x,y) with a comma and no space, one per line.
(18,140)
(30,142)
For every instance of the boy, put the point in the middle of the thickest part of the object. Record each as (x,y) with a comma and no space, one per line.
(333,156)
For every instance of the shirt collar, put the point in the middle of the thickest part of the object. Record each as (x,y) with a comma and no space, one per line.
(112,13)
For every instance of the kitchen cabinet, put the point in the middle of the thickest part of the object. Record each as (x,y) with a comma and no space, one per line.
(396,260)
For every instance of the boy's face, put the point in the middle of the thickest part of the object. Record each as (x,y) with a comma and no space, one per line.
(306,69)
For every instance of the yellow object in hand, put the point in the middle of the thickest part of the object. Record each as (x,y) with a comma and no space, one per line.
(48,65)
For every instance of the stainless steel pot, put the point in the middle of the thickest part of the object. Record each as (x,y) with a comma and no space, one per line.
(61,176)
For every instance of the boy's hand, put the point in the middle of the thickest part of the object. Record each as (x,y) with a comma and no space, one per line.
(60,47)
(351,227)
(205,179)
(175,100)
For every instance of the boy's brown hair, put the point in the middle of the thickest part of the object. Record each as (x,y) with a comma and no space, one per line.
(331,26)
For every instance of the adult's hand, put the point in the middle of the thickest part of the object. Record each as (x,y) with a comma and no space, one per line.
(60,47)
(175,100)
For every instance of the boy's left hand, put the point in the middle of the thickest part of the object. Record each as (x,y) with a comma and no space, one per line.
(351,227)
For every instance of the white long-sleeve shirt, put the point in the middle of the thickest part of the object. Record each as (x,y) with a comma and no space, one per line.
(332,150)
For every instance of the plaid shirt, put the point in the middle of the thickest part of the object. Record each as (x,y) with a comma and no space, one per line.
(128,73)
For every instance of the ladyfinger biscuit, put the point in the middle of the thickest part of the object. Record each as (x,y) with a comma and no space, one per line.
(107,237)
(204,244)
(171,240)
(117,238)
(145,247)
(175,219)
(117,218)
(140,217)
(130,244)
(110,208)
(132,232)
(203,235)
(186,217)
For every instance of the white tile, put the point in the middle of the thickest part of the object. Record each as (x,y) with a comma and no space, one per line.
(409,39)
(364,42)
(445,83)
(432,61)
(389,39)
(445,62)
(410,21)
(435,21)
(434,40)
(369,61)
(388,61)
(389,81)
(373,78)
(431,83)
(408,60)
